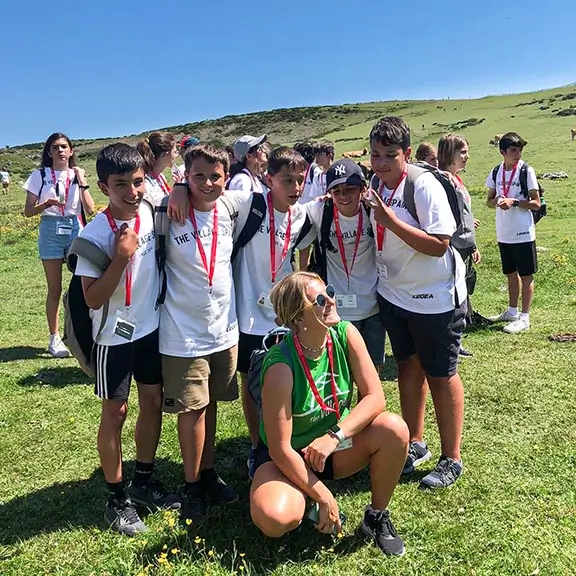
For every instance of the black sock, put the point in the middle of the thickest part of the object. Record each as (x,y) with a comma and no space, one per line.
(116,489)
(193,486)
(142,473)
(207,474)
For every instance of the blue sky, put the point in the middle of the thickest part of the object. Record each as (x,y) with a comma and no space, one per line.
(116,67)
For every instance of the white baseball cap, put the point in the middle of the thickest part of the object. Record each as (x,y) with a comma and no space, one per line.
(243,145)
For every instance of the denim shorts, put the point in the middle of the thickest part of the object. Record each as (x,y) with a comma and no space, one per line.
(374,334)
(54,246)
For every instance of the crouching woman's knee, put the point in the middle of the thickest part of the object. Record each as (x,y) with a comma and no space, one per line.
(273,520)
(391,430)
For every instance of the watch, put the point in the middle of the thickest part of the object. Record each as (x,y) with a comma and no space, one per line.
(515,203)
(337,432)
(84,187)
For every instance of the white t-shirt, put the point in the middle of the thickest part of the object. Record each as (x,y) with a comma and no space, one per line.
(154,190)
(245,181)
(4,177)
(363,276)
(252,270)
(310,189)
(145,278)
(410,279)
(515,225)
(178,172)
(34,183)
(194,320)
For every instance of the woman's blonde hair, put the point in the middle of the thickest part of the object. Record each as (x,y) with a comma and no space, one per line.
(289,298)
(448,145)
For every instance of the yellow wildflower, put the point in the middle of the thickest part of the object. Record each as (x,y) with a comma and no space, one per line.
(188,521)
(165,547)
(210,552)
(171,522)
(197,540)
(242,554)
(174,550)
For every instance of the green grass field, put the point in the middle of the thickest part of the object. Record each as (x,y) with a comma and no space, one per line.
(512,513)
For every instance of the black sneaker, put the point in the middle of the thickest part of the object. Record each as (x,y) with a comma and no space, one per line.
(216,489)
(447,471)
(122,516)
(418,453)
(193,505)
(464,353)
(154,496)
(377,525)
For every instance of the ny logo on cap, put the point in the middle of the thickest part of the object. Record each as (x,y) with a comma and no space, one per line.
(340,170)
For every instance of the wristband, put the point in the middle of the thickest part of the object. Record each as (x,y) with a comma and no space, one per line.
(338,433)
(515,203)
(84,187)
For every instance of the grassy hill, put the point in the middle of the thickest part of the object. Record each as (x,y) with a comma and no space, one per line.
(513,513)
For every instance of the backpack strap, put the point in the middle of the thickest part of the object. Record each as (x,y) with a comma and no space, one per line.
(412,174)
(255,218)
(495,175)
(523,177)
(161,230)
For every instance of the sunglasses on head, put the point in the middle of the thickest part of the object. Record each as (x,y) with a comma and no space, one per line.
(321,299)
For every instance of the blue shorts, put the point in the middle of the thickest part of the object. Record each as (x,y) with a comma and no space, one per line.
(54,246)
(374,334)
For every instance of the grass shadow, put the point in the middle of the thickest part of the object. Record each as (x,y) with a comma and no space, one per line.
(56,377)
(14,353)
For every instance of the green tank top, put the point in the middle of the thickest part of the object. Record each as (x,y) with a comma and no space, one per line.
(309,421)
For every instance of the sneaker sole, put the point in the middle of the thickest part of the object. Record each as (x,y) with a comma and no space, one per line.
(516,331)
(417,463)
(155,507)
(370,533)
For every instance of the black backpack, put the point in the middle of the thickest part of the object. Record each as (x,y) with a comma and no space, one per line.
(523,177)
(323,244)
(275,336)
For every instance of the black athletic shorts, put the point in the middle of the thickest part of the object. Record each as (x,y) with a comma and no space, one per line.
(434,337)
(115,366)
(519,258)
(246,345)
(263,456)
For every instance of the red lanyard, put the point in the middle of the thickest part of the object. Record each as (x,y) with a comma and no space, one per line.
(209,269)
(379,228)
(506,189)
(273,268)
(341,241)
(464,190)
(163,183)
(311,382)
(128,283)
(66,190)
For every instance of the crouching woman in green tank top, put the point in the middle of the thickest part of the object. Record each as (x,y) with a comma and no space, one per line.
(309,432)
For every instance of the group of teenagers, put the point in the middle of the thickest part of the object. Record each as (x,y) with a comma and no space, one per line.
(383,262)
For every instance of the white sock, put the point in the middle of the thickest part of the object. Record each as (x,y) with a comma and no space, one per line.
(53,337)
(525,316)
(513,311)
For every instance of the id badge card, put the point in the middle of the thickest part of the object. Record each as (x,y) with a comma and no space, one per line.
(124,327)
(346,300)
(344,445)
(63,228)
(381,267)
(264,301)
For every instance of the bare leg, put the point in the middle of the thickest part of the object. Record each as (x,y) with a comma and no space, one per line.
(413,390)
(149,423)
(513,289)
(527,292)
(250,411)
(53,272)
(210,436)
(191,434)
(448,397)
(109,438)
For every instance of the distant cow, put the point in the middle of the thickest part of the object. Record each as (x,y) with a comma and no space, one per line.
(366,168)
(573,133)
(355,153)
(496,140)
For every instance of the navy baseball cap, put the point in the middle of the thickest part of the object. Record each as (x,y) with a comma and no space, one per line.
(344,171)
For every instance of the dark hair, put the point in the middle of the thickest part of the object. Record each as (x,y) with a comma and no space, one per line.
(285,156)
(391,131)
(239,165)
(47,161)
(211,154)
(307,150)
(117,158)
(424,150)
(324,147)
(511,139)
(153,147)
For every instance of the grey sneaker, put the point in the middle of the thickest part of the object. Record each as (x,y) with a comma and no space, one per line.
(122,516)
(418,453)
(377,525)
(504,317)
(447,471)
(154,496)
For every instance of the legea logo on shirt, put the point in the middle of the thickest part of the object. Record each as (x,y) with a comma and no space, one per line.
(422,296)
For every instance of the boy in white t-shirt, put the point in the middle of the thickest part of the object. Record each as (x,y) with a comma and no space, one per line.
(312,172)
(128,343)
(324,156)
(346,257)
(5,180)
(198,326)
(515,228)
(421,295)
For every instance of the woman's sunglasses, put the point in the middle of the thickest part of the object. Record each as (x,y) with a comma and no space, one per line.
(321,299)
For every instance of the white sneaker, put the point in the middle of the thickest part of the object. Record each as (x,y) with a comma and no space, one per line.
(517,326)
(504,317)
(57,349)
